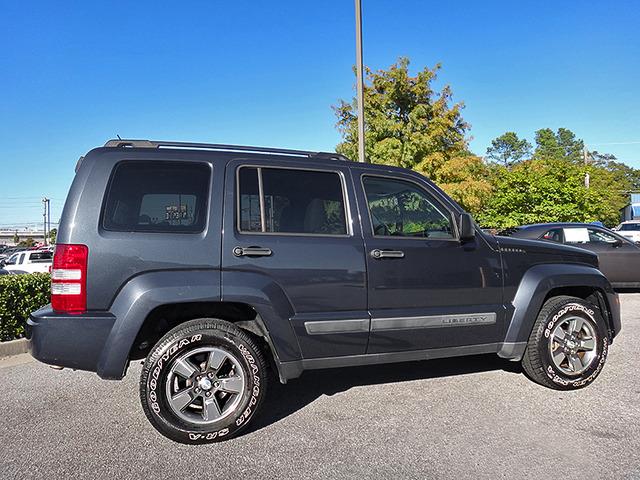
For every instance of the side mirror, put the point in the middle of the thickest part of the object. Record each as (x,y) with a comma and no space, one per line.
(467,228)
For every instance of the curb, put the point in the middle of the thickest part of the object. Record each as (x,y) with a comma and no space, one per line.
(13,347)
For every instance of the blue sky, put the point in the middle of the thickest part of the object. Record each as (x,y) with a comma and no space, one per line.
(74,74)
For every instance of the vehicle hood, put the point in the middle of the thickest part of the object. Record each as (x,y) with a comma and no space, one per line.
(547,250)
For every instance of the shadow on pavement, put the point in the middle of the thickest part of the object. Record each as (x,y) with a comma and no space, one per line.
(285,400)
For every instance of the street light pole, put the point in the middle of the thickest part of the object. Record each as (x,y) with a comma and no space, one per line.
(44,220)
(359,82)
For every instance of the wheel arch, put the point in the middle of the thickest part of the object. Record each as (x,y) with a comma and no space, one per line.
(543,282)
(150,305)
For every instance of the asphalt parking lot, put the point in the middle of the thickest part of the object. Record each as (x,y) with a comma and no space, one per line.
(474,417)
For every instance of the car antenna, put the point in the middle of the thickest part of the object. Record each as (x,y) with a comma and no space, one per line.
(118,136)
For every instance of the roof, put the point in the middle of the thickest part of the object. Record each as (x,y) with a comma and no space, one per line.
(136,143)
(558,225)
(230,150)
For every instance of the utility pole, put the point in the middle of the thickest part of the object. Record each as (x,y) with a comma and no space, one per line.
(48,221)
(585,156)
(45,204)
(359,82)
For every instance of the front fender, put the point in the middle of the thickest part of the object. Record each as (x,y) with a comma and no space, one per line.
(536,283)
(139,297)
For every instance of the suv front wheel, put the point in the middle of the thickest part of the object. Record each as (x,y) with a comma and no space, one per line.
(203,381)
(568,344)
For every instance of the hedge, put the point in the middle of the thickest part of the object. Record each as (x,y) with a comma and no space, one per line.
(19,296)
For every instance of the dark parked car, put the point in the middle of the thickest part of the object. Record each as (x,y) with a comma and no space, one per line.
(619,257)
(215,262)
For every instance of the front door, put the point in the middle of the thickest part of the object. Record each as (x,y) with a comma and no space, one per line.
(289,228)
(426,288)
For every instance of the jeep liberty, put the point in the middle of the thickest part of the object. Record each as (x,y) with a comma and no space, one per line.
(221,265)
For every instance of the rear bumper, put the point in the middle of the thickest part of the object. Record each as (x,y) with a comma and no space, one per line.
(73,341)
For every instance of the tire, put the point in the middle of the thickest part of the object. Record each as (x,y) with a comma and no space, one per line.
(203,382)
(562,353)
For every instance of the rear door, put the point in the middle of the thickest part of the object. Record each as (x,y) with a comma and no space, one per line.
(291,224)
(426,288)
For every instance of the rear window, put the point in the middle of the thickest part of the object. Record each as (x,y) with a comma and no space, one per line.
(41,257)
(157,197)
(630,227)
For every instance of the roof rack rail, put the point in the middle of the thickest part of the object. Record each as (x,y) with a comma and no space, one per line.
(131,143)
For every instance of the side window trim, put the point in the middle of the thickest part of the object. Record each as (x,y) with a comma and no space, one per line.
(263,219)
(437,202)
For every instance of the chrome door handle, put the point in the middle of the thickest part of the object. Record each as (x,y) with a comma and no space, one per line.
(251,252)
(377,253)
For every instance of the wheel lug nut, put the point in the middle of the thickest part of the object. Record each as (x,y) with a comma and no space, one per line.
(211,375)
(208,394)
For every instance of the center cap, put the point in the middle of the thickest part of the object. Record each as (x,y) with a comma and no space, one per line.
(571,344)
(204,384)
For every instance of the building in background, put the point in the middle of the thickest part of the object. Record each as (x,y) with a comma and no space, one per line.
(632,210)
(8,236)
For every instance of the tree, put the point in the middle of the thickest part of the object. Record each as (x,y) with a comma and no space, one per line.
(560,145)
(409,124)
(16,238)
(508,149)
(551,190)
(29,242)
(53,233)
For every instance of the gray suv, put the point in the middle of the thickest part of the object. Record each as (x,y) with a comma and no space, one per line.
(224,265)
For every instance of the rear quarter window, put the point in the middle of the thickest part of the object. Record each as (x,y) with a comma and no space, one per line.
(164,197)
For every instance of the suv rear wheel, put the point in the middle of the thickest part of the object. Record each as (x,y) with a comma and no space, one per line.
(203,381)
(568,344)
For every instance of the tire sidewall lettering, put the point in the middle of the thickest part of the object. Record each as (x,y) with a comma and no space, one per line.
(551,323)
(177,347)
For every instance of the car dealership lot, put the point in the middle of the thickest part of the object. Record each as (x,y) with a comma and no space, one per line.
(457,418)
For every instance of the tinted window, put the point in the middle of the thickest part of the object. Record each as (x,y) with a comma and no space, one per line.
(554,235)
(600,236)
(629,227)
(158,197)
(403,209)
(294,201)
(41,256)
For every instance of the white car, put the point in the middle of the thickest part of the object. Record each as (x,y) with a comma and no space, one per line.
(630,229)
(29,261)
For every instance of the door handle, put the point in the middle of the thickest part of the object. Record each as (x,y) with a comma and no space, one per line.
(377,253)
(251,252)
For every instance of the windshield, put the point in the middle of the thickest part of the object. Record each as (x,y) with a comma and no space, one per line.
(625,227)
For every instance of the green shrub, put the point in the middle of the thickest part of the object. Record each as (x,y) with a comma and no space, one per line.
(19,296)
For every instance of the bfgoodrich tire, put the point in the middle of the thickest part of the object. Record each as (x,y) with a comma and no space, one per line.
(203,382)
(568,345)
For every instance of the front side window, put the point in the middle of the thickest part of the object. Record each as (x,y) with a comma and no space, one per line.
(12,260)
(402,209)
(158,197)
(587,235)
(293,201)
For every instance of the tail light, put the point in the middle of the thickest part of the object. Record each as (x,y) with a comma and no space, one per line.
(69,278)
